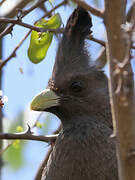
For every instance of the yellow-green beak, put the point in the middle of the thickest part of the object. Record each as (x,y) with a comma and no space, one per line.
(44,100)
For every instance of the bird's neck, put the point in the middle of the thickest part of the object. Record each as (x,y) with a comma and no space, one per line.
(80,122)
(87,120)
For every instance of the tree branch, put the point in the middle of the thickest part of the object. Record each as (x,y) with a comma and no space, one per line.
(10,27)
(1,112)
(19,5)
(24,13)
(28,136)
(121,85)
(102,59)
(13,54)
(3,150)
(102,43)
(44,162)
(6,31)
(93,10)
(2,2)
(130,11)
(53,9)
(31,27)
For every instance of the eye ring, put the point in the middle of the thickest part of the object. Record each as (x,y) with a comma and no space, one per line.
(76,86)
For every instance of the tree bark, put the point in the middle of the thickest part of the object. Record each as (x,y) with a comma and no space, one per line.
(121,86)
(1,115)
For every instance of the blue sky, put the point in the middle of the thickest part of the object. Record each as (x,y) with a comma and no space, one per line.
(21,88)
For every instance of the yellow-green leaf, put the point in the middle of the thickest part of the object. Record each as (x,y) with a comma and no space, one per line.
(16,144)
(39,125)
(39,45)
(19,128)
(14,155)
(53,23)
(40,42)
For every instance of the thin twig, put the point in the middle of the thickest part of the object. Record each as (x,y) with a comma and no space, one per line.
(38,118)
(53,9)
(28,136)
(44,162)
(10,27)
(6,31)
(93,10)
(24,13)
(33,7)
(3,150)
(102,59)
(19,5)
(13,54)
(42,165)
(2,2)
(43,8)
(101,42)
(29,132)
(129,14)
(31,27)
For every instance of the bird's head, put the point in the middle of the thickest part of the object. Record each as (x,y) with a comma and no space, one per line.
(77,87)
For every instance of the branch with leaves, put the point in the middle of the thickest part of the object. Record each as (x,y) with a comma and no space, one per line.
(20,135)
(23,13)
(31,27)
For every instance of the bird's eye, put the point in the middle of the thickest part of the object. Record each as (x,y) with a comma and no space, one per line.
(76,86)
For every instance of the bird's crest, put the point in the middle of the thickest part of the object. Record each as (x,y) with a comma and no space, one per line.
(72,54)
(78,27)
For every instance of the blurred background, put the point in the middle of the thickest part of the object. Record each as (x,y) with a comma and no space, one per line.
(22,80)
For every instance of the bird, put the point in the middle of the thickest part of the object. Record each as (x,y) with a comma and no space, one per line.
(77,93)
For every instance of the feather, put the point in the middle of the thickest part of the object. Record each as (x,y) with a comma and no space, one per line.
(78,94)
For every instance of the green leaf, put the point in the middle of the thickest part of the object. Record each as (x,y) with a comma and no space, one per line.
(16,143)
(39,125)
(45,123)
(40,42)
(53,23)
(51,1)
(19,128)
(13,155)
(39,45)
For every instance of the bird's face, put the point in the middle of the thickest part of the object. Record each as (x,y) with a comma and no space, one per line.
(73,94)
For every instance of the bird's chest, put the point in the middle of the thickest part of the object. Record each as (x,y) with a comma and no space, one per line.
(78,155)
(69,159)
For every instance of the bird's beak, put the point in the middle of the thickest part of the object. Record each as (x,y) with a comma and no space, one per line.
(44,100)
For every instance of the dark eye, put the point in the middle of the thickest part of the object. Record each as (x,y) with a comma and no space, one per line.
(76,86)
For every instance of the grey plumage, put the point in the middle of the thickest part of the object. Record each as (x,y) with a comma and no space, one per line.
(84,149)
